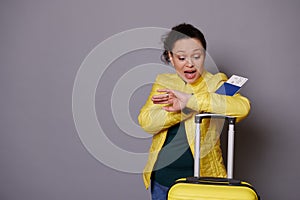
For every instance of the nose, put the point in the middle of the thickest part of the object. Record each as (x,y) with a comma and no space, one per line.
(189,62)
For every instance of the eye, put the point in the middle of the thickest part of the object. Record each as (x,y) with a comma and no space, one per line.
(197,57)
(181,58)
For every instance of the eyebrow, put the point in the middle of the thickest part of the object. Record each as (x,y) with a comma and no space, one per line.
(181,51)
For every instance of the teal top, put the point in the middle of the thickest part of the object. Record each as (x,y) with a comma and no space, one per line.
(175,159)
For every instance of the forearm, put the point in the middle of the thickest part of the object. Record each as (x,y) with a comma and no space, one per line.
(154,119)
(237,105)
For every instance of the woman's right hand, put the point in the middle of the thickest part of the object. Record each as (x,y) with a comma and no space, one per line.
(176,100)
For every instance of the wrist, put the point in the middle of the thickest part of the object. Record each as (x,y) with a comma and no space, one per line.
(187,110)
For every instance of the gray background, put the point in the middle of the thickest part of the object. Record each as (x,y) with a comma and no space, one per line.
(43,43)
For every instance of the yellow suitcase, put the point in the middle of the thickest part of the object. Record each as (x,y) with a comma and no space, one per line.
(210,188)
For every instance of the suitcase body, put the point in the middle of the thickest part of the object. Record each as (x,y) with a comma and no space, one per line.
(210,188)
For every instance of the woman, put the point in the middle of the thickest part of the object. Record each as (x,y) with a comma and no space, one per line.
(170,109)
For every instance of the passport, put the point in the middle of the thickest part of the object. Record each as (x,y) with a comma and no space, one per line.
(232,85)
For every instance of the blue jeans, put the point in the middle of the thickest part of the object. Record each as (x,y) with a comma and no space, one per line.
(158,192)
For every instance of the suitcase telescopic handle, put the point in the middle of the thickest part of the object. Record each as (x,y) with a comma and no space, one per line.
(230,151)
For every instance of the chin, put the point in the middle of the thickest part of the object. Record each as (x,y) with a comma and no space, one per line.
(190,81)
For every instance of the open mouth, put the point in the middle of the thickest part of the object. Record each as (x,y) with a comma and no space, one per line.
(190,74)
(189,71)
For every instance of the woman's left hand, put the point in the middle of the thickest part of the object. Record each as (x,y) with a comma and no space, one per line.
(176,100)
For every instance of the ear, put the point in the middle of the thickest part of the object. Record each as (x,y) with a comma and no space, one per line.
(171,58)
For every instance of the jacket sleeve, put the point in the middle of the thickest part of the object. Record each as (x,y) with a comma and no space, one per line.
(208,101)
(153,119)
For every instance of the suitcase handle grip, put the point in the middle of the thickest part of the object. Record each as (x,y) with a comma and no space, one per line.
(200,117)
(230,152)
(213,180)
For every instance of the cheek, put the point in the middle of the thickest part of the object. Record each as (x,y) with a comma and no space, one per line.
(178,66)
(200,64)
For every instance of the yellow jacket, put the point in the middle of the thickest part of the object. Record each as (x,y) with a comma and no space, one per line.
(154,120)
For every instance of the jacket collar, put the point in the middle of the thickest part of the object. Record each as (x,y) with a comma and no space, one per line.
(197,82)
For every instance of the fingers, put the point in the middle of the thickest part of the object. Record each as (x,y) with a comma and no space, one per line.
(170,97)
(165,90)
(161,99)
